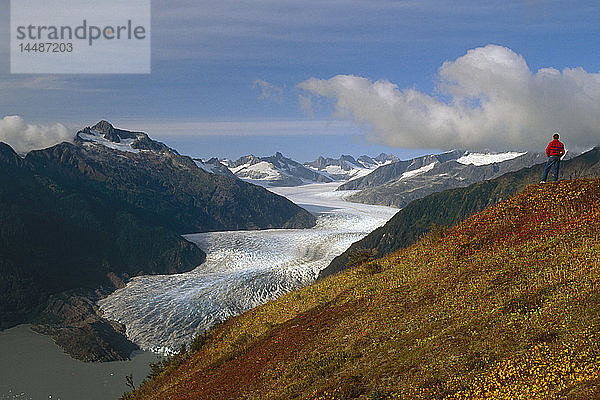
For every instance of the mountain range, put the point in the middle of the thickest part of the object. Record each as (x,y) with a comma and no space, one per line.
(77,220)
(382,180)
(399,183)
(278,170)
(348,168)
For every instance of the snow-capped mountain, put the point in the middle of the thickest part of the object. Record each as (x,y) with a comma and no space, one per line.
(401,169)
(83,217)
(276,170)
(347,167)
(105,134)
(213,166)
(191,192)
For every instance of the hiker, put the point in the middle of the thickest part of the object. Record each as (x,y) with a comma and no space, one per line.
(554,151)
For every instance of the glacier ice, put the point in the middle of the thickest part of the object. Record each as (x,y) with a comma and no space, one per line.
(243,269)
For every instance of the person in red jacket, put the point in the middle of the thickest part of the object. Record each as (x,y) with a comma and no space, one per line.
(554,151)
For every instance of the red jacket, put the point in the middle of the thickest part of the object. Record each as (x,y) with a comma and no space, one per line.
(555,148)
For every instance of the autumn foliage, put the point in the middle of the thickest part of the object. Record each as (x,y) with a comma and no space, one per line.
(505,305)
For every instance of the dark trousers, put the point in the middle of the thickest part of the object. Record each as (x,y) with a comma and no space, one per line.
(552,161)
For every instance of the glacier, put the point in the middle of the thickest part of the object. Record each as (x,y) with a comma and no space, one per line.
(243,269)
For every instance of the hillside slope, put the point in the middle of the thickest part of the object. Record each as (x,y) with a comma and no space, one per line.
(452,206)
(504,305)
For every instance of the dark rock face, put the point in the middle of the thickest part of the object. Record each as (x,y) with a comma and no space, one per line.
(113,134)
(62,246)
(452,206)
(72,320)
(172,187)
(8,157)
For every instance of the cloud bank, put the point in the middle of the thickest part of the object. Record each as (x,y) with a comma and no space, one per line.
(488,98)
(24,137)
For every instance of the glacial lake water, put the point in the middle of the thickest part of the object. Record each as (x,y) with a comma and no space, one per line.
(32,367)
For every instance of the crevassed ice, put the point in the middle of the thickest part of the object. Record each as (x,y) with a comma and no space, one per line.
(243,269)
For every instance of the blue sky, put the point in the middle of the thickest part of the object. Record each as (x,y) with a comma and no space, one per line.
(232,77)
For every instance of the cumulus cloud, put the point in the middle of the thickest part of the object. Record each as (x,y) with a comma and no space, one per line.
(489,98)
(24,137)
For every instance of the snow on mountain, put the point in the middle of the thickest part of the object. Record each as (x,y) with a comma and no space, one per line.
(414,172)
(213,166)
(347,167)
(487,158)
(401,182)
(97,137)
(276,170)
(104,134)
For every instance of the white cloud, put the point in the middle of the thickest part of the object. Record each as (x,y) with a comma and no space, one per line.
(492,100)
(268,91)
(24,137)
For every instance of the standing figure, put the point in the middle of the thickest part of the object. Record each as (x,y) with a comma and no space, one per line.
(554,151)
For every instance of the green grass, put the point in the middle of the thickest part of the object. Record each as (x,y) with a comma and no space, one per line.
(505,305)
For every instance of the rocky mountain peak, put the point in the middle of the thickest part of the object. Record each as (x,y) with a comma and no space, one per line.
(107,130)
(105,134)
(382,158)
(8,156)
(104,127)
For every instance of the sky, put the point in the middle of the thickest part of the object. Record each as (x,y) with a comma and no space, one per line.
(312,77)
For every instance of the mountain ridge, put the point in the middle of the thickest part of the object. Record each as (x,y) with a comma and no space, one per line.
(453,205)
(279,170)
(400,183)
